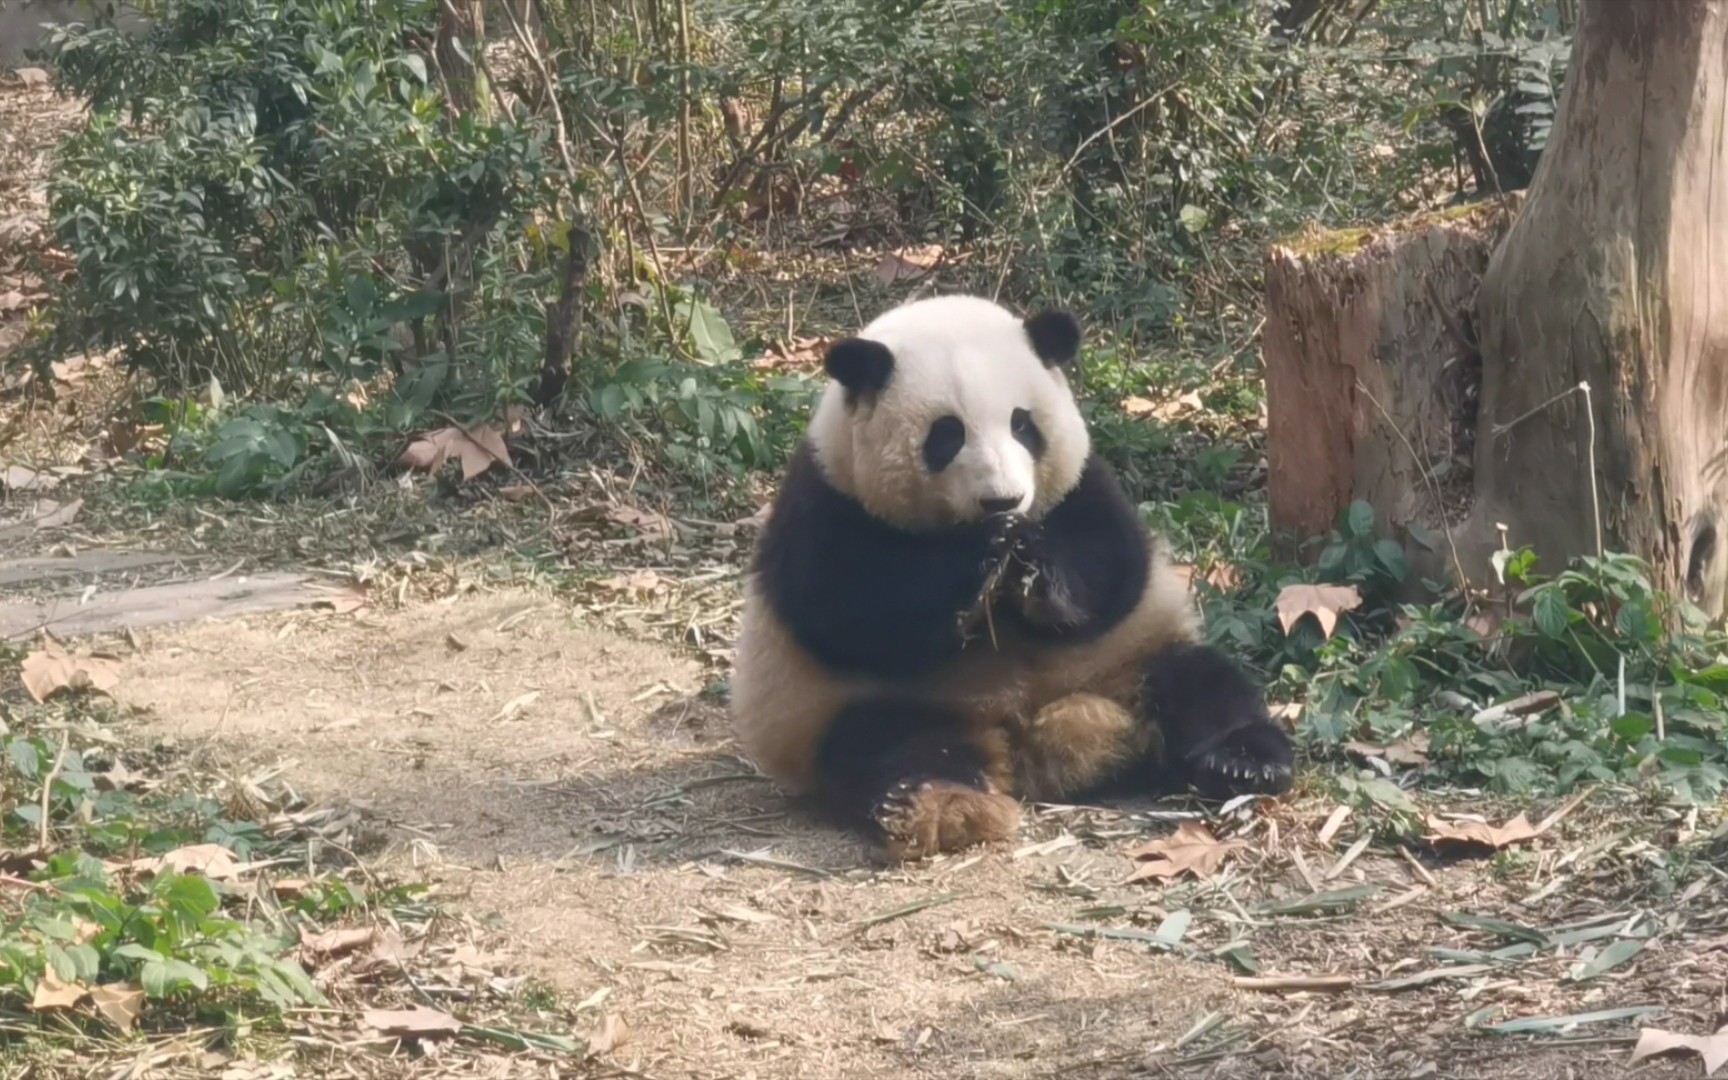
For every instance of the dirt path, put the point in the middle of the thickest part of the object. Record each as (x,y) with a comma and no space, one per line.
(563,781)
(593,819)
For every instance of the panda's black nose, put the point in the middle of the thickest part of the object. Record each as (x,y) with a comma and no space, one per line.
(1000,505)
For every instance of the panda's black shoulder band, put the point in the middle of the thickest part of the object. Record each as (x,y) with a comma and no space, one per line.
(1055,336)
(861,366)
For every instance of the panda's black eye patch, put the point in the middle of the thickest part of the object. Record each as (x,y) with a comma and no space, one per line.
(943,442)
(1025,430)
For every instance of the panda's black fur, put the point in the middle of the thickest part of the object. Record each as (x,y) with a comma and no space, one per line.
(873,616)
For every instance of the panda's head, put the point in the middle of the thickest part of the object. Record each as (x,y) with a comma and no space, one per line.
(947,411)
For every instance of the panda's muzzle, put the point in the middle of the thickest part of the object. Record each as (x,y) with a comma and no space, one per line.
(1003,504)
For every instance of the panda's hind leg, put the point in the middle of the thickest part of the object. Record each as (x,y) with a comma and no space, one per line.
(1217,734)
(916,776)
(1082,744)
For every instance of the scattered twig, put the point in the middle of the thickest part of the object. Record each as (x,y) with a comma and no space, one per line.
(48,789)
(909,909)
(1278,984)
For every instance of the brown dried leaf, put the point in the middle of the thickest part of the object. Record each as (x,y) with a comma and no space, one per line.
(478,448)
(389,950)
(1712,1048)
(908,264)
(1411,750)
(642,581)
(24,478)
(1324,602)
(32,76)
(416,1023)
(1480,833)
(342,599)
(51,993)
(1222,576)
(118,1003)
(335,942)
(799,354)
(758,519)
(48,514)
(212,860)
(1191,848)
(609,1036)
(49,671)
(644,521)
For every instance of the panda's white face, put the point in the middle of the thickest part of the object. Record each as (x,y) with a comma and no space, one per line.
(946,411)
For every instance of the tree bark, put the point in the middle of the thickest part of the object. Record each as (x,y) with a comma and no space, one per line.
(1613,275)
(1372,376)
(461,44)
(563,318)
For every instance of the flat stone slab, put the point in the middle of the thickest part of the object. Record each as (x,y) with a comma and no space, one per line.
(48,568)
(153,605)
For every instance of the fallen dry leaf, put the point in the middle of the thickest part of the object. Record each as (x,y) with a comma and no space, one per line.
(1191,848)
(1164,410)
(342,599)
(24,478)
(51,993)
(1222,576)
(336,942)
(118,1003)
(416,1023)
(212,860)
(48,514)
(642,581)
(799,354)
(32,76)
(1712,1048)
(1480,833)
(49,671)
(756,520)
(515,705)
(908,264)
(1411,750)
(478,448)
(643,521)
(1324,602)
(609,1036)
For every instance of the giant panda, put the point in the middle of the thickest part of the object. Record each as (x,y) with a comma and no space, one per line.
(953,604)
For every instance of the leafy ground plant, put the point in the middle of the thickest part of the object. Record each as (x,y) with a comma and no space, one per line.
(1591,675)
(143,895)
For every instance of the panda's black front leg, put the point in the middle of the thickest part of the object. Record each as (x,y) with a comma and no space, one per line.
(1037,585)
(1217,734)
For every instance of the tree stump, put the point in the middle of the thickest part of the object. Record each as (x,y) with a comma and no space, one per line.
(1372,375)
(1613,275)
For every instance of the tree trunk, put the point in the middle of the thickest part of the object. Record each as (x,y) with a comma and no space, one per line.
(1372,376)
(1611,277)
(461,45)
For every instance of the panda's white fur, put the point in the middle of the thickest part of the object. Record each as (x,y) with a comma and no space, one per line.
(969,357)
(1029,709)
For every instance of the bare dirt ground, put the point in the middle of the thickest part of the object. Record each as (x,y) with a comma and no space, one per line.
(561,784)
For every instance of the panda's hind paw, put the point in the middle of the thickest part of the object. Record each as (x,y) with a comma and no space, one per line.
(921,818)
(1251,760)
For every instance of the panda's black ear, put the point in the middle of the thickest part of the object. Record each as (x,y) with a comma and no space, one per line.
(1055,337)
(861,366)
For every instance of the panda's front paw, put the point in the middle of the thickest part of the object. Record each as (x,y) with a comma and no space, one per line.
(1044,601)
(1254,759)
